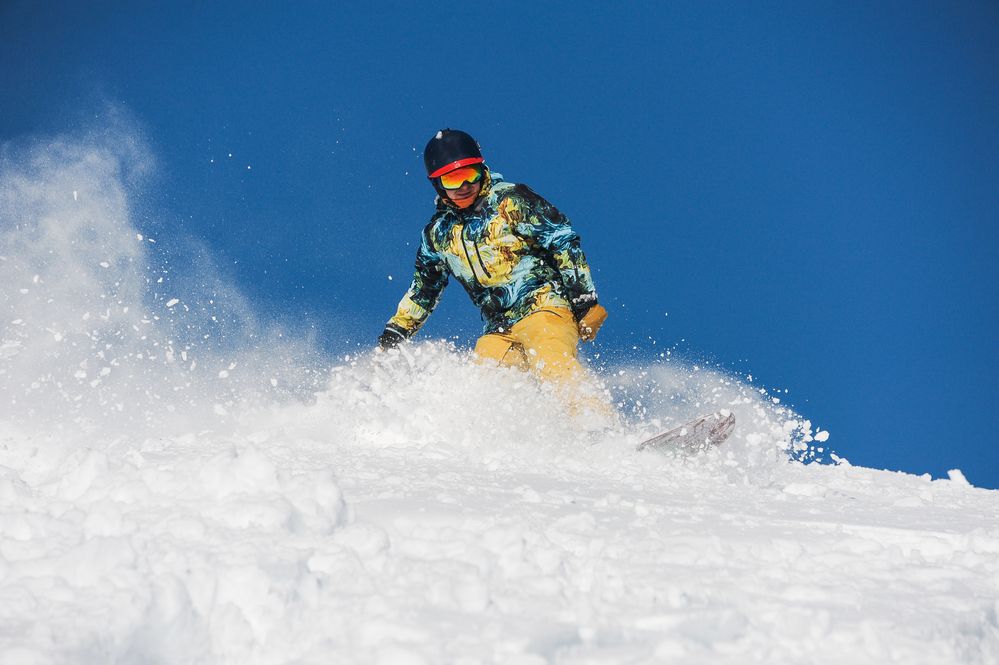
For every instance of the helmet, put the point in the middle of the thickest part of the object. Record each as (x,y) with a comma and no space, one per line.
(450,149)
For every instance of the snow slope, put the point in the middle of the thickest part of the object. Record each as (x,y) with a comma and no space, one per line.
(180,484)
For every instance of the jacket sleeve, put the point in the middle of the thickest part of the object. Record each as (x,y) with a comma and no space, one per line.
(424,292)
(552,231)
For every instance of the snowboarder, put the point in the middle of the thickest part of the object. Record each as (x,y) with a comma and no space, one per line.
(517,257)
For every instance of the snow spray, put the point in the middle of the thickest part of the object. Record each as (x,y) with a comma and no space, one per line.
(106,332)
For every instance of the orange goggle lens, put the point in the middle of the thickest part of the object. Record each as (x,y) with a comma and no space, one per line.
(458,177)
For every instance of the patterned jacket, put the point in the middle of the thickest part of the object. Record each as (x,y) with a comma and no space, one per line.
(513,251)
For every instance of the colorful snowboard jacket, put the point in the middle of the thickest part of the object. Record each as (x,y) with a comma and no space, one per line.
(513,251)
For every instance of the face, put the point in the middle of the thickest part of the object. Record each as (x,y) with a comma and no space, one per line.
(468,190)
(469,180)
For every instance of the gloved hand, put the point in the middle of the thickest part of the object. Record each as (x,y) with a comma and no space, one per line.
(389,339)
(591,321)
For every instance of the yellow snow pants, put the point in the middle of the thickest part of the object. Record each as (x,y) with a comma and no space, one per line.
(543,342)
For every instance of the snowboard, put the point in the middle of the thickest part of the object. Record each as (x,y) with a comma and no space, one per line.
(696,436)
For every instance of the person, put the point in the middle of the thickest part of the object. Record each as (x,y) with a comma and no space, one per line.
(517,257)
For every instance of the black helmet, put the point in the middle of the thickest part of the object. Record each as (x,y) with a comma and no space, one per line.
(450,149)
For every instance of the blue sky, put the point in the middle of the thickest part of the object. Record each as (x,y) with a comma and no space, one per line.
(804,192)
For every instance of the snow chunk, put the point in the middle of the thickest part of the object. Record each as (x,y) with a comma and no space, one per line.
(957,477)
(805,489)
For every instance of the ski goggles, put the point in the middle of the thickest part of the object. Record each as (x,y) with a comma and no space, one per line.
(455,179)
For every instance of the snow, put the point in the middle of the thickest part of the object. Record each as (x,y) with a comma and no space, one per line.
(956,476)
(314,533)
(267,504)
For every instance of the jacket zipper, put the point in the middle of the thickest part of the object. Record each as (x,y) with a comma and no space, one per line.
(481,262)
(468,257)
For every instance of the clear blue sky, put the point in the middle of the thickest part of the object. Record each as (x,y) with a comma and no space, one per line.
(808,192)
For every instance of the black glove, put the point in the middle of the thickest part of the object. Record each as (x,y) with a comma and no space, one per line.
(389,339)
(581,304)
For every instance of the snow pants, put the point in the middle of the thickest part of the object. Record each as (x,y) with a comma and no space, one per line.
(544,343)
